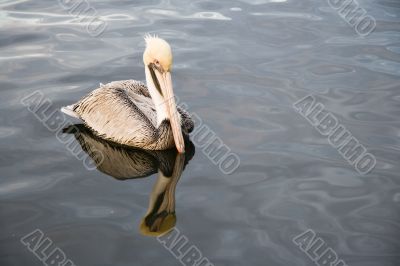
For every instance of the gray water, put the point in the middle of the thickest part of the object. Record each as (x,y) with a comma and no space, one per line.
(239,65)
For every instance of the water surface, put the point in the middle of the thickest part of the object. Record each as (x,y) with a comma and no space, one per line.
(239,65)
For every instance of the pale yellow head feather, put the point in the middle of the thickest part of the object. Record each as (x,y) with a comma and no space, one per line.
(159,50)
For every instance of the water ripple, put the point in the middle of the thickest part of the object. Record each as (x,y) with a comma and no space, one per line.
(239,65)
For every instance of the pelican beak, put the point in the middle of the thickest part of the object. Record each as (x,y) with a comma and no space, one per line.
(165,83)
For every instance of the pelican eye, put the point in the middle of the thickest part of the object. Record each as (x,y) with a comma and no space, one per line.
(157,65)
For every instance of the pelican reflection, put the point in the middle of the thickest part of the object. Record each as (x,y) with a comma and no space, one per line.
(124,163)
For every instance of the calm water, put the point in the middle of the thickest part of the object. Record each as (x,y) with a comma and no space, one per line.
(239,65)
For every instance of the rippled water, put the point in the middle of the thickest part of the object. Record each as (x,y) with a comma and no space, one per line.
(239,65)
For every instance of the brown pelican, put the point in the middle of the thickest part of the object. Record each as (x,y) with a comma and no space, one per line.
(125,163)
(129,113)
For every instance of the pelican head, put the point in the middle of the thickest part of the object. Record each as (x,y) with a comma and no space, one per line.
(157,59)
(157,52)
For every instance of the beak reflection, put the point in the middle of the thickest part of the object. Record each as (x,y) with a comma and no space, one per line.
(123,163)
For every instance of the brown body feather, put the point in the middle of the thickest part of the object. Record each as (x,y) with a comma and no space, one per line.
(123,112)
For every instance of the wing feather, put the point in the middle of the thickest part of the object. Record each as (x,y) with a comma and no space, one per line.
(123,112)
(117,111)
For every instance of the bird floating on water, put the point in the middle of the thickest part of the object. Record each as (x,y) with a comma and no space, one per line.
(130,113)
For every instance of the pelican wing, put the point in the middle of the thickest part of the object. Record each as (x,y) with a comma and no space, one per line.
(137,87)
(133,86)
(121,112)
